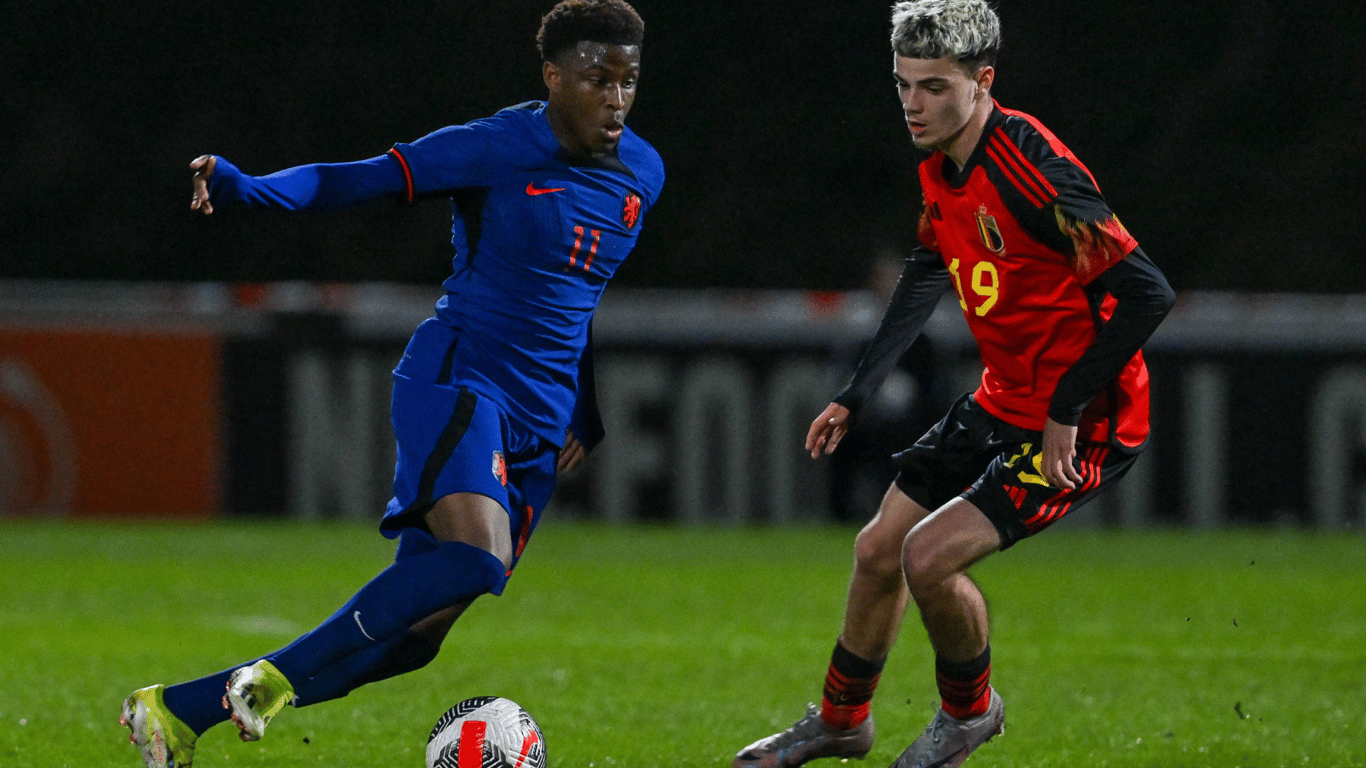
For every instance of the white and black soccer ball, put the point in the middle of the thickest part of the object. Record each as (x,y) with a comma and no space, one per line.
(486,732)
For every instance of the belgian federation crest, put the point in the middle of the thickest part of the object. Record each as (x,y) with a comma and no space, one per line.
(500,468)
(630,210)
(991,234)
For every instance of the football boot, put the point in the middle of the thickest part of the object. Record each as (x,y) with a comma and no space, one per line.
(165,741)
(807,739)
(947,741)
(256,693)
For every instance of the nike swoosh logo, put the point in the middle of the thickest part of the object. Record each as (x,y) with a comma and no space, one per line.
(533,190)
(356,616)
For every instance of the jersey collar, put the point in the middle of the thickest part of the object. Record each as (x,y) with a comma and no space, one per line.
(611,162)
(958,178)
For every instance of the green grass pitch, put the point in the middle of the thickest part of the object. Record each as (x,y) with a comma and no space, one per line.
(672,647)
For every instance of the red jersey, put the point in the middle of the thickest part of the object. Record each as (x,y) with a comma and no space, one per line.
(1023,230)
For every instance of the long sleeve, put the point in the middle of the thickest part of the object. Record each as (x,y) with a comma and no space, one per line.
(1142,299)
(922,283)
(317,187)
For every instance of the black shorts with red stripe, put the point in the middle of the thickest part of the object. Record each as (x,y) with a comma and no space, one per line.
(995,465)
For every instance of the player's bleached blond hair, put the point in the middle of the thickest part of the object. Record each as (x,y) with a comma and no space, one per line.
(966,30)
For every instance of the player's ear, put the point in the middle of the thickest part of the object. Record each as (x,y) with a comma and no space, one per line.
(985,77)
(551,75)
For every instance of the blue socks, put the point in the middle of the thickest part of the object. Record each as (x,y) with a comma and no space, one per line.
(199,703)
(368,639)
(406,592)
(396,656)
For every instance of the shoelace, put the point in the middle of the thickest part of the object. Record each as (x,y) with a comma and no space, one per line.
(807,726)
(800,731)
(936,725)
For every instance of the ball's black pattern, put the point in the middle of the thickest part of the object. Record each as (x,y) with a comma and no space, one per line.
(512,739)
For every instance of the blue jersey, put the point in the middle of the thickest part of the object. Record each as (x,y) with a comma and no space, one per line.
(537,234)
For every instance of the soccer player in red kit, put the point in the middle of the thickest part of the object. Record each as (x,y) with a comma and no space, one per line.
(1059,298)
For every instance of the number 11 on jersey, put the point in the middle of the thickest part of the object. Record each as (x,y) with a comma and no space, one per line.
(578,247)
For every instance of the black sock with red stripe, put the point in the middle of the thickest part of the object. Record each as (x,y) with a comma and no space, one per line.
(849,685)
(963,685)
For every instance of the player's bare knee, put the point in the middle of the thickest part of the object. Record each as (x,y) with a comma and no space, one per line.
(473,519)
(924,568)
(878,547)
(877,553)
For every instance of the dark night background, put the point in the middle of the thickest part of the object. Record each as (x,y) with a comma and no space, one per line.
(1228,137)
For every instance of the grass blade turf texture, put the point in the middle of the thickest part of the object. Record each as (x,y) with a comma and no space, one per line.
(673,647)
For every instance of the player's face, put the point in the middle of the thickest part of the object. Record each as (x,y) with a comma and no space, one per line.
(592,87)
(945,106)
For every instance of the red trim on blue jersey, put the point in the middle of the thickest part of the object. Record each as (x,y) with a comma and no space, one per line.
(528,517)
(407,174)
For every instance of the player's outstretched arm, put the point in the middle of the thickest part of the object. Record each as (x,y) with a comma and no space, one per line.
(315,187)
(203,170)
(827,430)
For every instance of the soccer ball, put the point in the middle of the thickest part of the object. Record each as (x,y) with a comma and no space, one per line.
(486,732)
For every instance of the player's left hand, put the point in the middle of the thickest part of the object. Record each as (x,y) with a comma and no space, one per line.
(1059,449)
(571,455)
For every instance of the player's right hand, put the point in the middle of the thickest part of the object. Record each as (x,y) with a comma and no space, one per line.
(571,455)
(827,430)
(203,169)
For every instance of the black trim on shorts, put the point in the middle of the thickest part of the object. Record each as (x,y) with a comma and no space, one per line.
(456,427)
(448,361)
(451,436)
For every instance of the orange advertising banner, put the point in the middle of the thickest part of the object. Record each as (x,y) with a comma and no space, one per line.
(109,423)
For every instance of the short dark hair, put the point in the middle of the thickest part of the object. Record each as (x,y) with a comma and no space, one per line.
(613,22)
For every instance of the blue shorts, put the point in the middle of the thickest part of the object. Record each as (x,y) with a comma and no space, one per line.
(454,440)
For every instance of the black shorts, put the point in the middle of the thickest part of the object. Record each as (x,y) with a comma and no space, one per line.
(994,465)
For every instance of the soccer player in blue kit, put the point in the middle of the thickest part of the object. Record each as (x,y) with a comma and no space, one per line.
(493,394)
